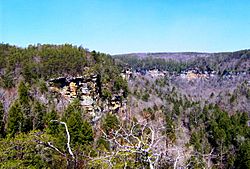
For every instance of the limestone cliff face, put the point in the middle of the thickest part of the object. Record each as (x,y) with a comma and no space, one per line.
(87,90)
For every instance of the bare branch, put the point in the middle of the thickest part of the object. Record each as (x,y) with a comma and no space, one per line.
(68,137)
(177,159)
(50,145)
(144,145)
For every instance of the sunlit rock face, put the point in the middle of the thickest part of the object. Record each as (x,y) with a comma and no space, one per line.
(82,87)
(86,89)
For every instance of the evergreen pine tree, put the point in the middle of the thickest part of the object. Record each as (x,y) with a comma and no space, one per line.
(39,112)
(110,122)
(87,131)
(1,120)
(81,131)
(52,126)
(75,106)
(15,119)
(23,93)
(24,100)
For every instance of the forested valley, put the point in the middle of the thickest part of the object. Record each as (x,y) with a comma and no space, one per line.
(63,106)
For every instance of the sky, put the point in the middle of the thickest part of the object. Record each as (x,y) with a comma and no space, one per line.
(126,26)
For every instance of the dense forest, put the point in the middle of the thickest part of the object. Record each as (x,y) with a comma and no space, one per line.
(203,134)
(159,127)
(176,62)
(26,124)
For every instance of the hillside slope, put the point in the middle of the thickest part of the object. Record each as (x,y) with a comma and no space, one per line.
(229,61)
(65,107)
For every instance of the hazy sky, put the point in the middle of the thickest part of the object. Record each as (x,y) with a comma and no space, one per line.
(123,26)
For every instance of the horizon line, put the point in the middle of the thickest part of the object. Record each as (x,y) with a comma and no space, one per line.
(127,53)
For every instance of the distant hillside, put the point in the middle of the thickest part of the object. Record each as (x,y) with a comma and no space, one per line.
(224,61)
(62,106)
(184,56)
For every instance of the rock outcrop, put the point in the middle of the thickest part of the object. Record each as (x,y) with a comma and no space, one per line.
(87,90)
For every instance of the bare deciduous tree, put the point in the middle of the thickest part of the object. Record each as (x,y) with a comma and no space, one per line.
(138,143)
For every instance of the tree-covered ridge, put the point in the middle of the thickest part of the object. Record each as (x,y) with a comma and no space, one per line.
(160,127)
(176,62)
(31,124)
(203,133)
(41,61)
(35,136)
(46,61)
